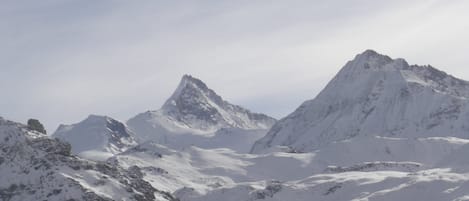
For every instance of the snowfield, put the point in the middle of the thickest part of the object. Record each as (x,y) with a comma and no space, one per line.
(379,168)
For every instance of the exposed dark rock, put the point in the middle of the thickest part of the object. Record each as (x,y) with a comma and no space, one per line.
(35,125)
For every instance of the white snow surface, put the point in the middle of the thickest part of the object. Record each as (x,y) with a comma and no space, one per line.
(362,168)
(97,137)
(376,95)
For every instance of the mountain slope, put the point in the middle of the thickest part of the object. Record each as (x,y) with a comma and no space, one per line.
(97,137)
(193,113)
(376,95)
(429,185)
(368,164)
(35,167)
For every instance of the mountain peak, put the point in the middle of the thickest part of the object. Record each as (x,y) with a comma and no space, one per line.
(371,60)
(97,133)
(188,81)
(195,104)
(369,52)
(193,80)
(196,109)
(370,63)
(190,91)
(97,118)
(374,94)
(193,98)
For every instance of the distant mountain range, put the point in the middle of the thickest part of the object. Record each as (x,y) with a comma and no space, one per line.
(381,130)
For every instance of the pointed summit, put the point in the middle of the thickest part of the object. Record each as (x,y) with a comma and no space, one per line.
(195,108)
(191,92)
(189,79)
(189,83)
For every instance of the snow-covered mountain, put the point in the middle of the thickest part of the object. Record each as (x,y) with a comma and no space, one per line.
(97,137)
(376,95)
(196,113)
(382,130)
(36,167)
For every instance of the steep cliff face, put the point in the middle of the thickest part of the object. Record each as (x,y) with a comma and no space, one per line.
(36,167)
(376,95)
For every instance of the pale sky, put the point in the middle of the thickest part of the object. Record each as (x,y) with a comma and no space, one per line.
(61,60)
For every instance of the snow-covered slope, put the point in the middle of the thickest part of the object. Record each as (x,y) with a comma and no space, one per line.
(428,185)
(368,164)
(376,95)
(196,113)
(36,167)
(97,137)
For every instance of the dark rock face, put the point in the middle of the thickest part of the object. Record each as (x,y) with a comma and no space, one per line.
(270,190)
(188,103)
(53,146)
(118,132)
(118,128)
(35,125)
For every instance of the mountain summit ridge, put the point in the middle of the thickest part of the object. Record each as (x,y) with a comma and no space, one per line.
(192,98)
(187,84)
(374,94)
